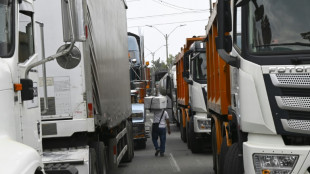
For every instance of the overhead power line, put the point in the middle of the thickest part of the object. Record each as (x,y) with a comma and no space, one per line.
(174,6)
(171,23)
(169,14)
(167,5)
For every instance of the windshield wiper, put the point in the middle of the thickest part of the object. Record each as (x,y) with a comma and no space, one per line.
(281,44)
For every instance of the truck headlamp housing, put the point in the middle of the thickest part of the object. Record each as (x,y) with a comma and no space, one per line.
(204,124)
(276,164)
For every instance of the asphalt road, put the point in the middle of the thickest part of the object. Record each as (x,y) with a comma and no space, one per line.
(177,159)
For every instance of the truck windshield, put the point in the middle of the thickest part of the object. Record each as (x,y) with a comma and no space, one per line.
(6,28)
(201,67)
(133,49)
(278,26)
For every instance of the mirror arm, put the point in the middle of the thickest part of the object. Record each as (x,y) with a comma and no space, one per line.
(190,82)
(62,53)
(231,60)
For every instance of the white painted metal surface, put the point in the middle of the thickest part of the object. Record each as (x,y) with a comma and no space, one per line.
(273,144)
(20,136)
(79,157)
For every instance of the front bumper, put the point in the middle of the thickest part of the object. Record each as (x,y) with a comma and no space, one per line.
(273,144)
(139,131)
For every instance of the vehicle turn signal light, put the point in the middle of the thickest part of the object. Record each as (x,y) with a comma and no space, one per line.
(18,87)
(266,172)
(229,117)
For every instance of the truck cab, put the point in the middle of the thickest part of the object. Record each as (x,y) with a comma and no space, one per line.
(258,67)
(20,125)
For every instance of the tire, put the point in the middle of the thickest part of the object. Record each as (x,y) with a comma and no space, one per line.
(223,153)
(233,161)
(93,164)
(102,158)
(130,144)
(182,130)
(196,147)
(178,118)
(188,136)
(214,150)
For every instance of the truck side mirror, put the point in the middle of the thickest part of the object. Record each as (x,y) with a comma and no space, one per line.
(223,41)
(27,92)
(168,86)
(186,64)
(73,14)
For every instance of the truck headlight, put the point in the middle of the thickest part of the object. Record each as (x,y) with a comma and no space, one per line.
(204,124)
(275,164)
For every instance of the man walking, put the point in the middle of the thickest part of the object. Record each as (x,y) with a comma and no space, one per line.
(161,121)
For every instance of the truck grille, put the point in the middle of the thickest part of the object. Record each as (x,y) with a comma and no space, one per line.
(294,103)
(294,79)
(299,124)
(289,97)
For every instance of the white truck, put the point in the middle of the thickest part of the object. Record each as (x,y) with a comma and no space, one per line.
(86,106)
(20,125)
(20,128)
(258,56)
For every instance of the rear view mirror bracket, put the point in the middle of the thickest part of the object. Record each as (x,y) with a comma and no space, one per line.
(224,42)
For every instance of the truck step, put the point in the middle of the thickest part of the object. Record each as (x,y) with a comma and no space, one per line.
(60,169)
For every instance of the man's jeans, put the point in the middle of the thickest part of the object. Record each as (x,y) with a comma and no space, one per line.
(161,133)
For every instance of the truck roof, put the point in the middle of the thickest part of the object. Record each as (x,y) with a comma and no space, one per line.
(188,43)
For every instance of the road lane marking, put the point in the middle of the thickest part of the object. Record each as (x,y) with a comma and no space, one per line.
(174,164)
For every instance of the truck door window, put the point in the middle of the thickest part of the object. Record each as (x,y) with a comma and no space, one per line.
(26,36)
(6,28)
(201,67)
(237,27)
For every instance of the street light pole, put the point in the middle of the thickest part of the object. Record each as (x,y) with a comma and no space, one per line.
(166,36)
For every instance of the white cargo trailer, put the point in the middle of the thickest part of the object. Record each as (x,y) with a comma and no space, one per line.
(86,110)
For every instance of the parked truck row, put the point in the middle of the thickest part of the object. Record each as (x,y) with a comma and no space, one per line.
(73,115)
(253,91)
(241,89)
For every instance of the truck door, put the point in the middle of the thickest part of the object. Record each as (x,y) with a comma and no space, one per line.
(29,112)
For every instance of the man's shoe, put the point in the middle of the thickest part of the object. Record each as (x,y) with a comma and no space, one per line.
(157,152)
(162,154)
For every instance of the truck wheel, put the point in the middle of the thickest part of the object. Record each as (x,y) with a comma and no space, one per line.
(233,162)
(214,150)
(223,153)
(196,147)
(188,135)
(178,117)
(130,144)
(182,130)
(102,158)
(93,165)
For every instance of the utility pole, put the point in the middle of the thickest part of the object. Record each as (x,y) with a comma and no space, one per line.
(210,7)
(166,36)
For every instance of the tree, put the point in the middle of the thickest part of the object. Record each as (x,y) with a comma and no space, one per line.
(159,65)
(171,59)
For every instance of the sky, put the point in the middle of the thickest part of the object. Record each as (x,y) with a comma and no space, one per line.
(166,15)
